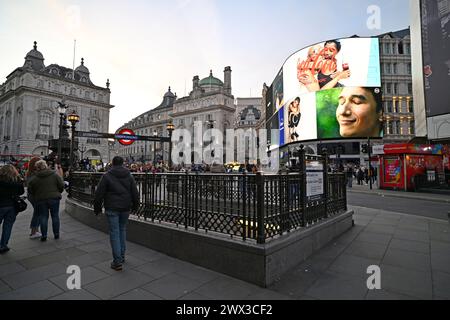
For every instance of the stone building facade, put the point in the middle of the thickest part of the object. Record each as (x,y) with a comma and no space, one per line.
(28,107)
(210,104)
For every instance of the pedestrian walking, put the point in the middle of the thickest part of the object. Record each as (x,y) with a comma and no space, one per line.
(11,186)
(46,187)
(35,222)
(349,175)
(118,193)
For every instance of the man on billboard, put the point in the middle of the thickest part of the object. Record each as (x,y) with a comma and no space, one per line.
(359,112)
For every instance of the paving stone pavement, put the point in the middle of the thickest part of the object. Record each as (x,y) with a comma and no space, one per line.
(412,252)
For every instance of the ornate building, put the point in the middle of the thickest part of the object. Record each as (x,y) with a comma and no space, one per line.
(396,77)
(150,123)
(28,107)
(210,104)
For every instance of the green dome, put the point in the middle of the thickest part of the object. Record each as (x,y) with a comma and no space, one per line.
(210,81)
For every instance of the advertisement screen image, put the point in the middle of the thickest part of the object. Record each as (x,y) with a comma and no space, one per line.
(330,90)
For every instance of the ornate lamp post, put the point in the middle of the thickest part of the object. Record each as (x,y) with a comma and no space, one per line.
(62,108)
(170,128)
(73,118)
(155,134)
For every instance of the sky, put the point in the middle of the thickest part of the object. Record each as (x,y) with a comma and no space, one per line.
(143,47)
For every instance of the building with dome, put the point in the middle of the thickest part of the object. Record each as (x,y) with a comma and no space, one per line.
(210,104)
(28,107)
(148,124)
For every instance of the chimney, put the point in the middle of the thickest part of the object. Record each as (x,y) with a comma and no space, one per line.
(227,80)
(195,82)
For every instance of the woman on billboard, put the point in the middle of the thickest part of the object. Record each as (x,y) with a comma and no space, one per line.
(359,112)
(294,117)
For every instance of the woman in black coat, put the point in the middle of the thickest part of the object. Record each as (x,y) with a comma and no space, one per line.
(11,185)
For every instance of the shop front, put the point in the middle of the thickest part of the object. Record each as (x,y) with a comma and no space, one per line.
(410,166)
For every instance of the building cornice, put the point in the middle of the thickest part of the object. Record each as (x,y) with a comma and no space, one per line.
(24,89)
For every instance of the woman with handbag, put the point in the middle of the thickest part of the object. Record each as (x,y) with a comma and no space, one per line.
(11,187)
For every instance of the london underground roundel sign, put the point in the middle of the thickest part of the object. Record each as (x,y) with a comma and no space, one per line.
(125,142)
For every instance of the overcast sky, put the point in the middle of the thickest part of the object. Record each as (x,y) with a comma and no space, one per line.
(144,47)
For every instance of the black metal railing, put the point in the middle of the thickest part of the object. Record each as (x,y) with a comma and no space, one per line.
(247,206)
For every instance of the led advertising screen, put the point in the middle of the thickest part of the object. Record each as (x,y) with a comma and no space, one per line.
(436,55)
(330,90)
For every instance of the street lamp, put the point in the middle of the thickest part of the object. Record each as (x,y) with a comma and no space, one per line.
(62,108)
(155,134)
(73,118)
(170,128)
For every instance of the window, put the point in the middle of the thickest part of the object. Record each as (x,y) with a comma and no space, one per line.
(387,68)
(407,48)
(396,126)
(389,88)
(411,106)
(408,68)
(410,88)
(411,127)
(393,48)
(400,48)
(394,68)
(87,94)
(387,48)
(395,88)
(44,124)
(388,106)
(389,127)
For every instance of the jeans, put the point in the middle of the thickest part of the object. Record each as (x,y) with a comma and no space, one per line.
(117,233)
(43,208)
(35,221)
(349,181)
(7,217)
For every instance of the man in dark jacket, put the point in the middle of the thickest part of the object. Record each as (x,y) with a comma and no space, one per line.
(117,190)
(46,187)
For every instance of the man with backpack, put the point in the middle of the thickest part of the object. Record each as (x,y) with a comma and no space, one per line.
(118,193)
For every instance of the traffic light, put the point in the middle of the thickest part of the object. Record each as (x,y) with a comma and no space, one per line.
(364,148)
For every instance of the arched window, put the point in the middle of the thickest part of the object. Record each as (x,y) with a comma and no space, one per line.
(44,124)
(8,125)
(93,125)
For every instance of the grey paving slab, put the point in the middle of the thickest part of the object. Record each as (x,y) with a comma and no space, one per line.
(412,235)
(380,228)
(158,268)
(387,295)
(37,291)
(371,237)
(25,278)
(385,221)
(332,286)
(441,284)
(440,262)
(138,294)
(225,288)
(52,257)
(265,295)
(194,296)
(361,221)
(172,286)
(353,265)
(95,246)
(198,273)
(349,236)
(68,243)
(75,295)
(440,247)
(131,261)
(408,259)
(410,245)
(440,236)
(88,259)
(367,250)
(88,275)
(10,268)
(418,226)
(417,284)
(46,249)
(92,238)
(295,283)
(4,287)
(146,254)
(118,284)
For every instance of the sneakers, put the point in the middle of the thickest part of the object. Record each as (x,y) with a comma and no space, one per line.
(4,250)
(35,235)
(116,266)
(43,239)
